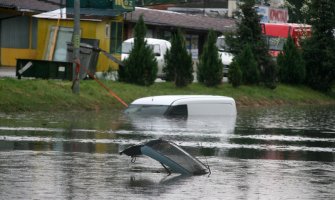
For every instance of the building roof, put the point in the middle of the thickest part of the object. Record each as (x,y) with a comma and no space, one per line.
(175,19)
(31,5)
(42,6)
(86,14)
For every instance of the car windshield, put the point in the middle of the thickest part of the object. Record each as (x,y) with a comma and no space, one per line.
(127,47)
(151,110)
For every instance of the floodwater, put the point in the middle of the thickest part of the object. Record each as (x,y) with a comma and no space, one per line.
(265,153)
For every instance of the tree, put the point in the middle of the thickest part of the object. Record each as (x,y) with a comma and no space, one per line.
(141,66)
(248,65)
(291,65)
(210,67)
(294,10)
(169,65)
(319,49)
(249,31)
(235,74)
(179,64)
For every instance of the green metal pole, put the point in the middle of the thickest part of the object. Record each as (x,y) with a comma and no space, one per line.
(76,47)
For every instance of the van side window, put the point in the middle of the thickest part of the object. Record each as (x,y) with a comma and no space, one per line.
(177,111)
(156,49)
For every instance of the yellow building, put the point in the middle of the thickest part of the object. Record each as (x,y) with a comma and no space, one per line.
(55,30)
(27,29)
(17,35)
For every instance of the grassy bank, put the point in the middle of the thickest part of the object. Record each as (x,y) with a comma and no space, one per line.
(52,95)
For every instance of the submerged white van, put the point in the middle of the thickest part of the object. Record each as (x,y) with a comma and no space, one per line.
(158,46)
(183,106)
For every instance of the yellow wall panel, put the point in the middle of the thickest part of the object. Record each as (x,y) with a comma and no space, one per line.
(9,55)
(89,29)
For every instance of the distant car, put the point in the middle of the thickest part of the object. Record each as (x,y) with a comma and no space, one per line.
(183,106)
(225,55)
(158,46)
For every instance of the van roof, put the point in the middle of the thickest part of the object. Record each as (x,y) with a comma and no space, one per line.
(174,99)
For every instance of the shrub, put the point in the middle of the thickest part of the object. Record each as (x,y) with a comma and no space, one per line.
(318,51)
(235,74)
(169,65)
(249,31)
(248,65)
(141,66)
(291,65)
(179,67)
(210,67)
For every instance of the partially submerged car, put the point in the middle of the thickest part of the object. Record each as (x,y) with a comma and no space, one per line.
(171,156)
(183,106)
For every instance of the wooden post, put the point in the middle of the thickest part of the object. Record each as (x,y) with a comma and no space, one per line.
(76,48)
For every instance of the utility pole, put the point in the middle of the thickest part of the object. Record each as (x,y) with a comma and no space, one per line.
(76,47)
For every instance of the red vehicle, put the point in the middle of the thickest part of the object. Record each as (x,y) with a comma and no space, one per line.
(277,33)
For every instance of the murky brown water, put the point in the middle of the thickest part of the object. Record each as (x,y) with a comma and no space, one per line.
(277,153)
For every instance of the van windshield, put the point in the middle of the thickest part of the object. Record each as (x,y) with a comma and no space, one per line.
(156,49)
(128,46)
(221,44)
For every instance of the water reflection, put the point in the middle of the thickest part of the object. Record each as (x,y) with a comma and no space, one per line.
(279,152)
(208,126)
(296,118)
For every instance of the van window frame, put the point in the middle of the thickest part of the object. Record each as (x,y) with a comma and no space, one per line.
(177,111)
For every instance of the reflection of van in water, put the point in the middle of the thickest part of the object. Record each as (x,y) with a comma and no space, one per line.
(158,46)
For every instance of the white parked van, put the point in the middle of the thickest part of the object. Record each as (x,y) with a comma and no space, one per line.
(183,106)
(158,46)
(226,57)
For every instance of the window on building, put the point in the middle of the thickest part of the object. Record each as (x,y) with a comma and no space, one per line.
(18,32)
(58,45)
(116,37)
(192,45)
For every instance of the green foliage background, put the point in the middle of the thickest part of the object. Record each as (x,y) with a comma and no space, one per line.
(141,66)
(291,65)
(179,64)
(210,67)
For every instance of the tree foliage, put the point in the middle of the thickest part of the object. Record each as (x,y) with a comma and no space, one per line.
(178,62)
(319,49)
(295,10)
(141,66)
(249,31)
(248,65)
(291,65)
(235,74)
(210,67)
(169,64)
